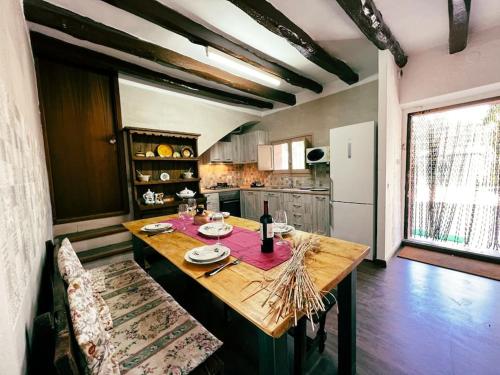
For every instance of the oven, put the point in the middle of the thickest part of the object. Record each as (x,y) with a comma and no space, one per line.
(230,201)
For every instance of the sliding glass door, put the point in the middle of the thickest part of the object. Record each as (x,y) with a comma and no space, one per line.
(453,178)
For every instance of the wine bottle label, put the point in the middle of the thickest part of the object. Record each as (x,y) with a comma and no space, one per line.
(269,231)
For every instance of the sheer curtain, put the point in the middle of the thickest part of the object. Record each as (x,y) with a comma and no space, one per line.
(454,178)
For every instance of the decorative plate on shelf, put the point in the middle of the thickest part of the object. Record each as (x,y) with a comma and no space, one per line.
(164,151)
(176,154)
(164,176)
(150,154)
(187,152)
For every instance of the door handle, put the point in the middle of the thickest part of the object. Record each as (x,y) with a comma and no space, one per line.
(112,141)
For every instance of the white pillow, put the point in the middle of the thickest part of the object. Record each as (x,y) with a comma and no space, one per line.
(70,266)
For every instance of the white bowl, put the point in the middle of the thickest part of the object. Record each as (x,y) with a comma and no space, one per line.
(144,177)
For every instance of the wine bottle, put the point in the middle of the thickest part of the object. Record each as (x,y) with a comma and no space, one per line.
(266,231)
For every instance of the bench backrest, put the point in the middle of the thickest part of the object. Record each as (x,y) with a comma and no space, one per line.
(67,356)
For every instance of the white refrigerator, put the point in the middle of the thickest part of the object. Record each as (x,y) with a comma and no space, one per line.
(353,179)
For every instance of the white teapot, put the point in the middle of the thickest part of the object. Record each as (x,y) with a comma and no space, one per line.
(186,193)
(149,197)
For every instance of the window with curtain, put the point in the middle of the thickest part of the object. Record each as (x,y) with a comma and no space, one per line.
(290,155)
(454,178)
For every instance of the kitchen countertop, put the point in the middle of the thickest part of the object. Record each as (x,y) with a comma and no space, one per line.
(280,190)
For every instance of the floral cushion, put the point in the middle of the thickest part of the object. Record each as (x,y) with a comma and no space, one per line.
(103,310)
(151,332)
(98,283)
(70,266)
(90,334)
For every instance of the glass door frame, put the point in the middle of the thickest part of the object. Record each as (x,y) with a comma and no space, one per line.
(424,245)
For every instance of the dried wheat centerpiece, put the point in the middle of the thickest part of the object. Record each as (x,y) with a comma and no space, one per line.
(293,291)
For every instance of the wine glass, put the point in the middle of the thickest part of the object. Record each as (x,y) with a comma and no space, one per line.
(218,221)
(280,222)
(191,202)
(183,214)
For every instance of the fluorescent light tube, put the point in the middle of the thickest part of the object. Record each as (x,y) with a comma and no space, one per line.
(245,69)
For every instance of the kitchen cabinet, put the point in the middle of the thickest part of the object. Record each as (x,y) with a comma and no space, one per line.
(236,148)
(213,202)
(217,153)
(250,204)
(265,158)
(227,152)
(298,209)
(274,199)
(320,215)
(250,142)
(241,149)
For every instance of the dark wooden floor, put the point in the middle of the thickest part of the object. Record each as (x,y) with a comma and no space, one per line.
(413,318)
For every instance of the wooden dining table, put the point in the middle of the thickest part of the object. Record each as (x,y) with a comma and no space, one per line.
(240,288)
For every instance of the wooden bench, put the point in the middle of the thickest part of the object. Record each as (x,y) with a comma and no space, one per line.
(67,357)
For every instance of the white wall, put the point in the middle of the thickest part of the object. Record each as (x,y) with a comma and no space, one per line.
(317,117)
(151,107)
(435,73)
(390,188)
(25,214)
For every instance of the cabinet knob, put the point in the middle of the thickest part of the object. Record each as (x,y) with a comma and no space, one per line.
(112,141)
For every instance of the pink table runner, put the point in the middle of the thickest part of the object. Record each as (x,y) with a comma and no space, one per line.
(244,244)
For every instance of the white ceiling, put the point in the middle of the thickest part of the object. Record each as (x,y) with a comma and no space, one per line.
(417,24)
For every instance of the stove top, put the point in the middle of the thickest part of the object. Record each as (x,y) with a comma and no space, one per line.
(222,185)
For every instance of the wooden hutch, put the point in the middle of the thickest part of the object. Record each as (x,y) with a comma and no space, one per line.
(146,141)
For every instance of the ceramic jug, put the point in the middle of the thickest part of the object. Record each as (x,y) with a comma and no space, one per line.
(149,197)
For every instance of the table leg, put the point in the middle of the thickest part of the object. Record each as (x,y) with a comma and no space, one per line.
(347,324)
(273,355)
(300,347)
(138,249)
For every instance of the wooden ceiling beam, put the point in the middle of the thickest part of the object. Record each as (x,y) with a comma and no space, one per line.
(458,14)
(275,21)
(48,47)
(169,19)
(84,28)
(369,20)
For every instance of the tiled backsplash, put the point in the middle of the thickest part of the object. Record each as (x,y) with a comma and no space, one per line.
(245,174)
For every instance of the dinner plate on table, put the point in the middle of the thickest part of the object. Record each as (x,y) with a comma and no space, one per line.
(157,227)
(282,229)
(212,230)
(204,254)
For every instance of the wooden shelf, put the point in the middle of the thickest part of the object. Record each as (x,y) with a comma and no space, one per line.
(158,158)
(159,182)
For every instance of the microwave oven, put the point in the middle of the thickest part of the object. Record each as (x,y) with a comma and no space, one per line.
(318,155)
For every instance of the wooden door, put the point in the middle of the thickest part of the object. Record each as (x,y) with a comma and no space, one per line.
(84,152)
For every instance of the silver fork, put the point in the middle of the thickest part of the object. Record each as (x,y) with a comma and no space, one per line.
(220,268)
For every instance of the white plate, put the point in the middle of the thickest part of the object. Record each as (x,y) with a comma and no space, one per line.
(211,230)
(225,253)
(224,213)
(206,253)
(157,227)
(284,230)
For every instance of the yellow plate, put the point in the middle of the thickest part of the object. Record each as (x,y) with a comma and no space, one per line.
(187,152)
(165,151)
